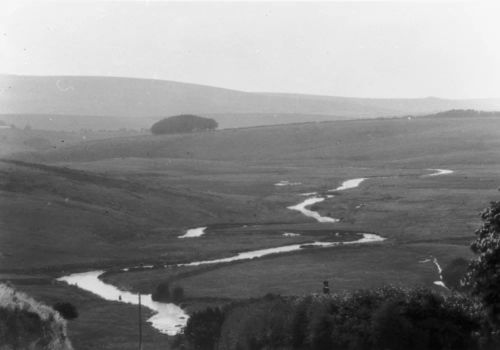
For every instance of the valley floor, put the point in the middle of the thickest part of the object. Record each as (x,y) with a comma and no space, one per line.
(64,216)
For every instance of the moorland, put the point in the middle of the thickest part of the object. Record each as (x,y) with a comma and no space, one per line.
(110,203)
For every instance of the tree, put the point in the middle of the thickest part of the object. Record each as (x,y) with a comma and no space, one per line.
(484,271)
(454,273)
(299,324)
(183,123)
(391,329)
(162,292)
(177,294)
(203,328)
(67,310)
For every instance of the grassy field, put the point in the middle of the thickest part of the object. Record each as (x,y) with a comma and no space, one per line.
(21,139)
(124,201)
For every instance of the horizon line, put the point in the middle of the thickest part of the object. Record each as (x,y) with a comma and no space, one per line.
(247,91)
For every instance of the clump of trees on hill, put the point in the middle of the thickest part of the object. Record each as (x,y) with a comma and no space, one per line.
(184,123)
(377,319)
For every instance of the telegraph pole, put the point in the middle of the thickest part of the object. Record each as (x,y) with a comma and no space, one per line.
(140,324)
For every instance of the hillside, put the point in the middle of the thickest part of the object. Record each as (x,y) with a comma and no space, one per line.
(69,102)
(27,324)
(341,142)
(124,201)
(128,190)
(25,140)
(81,217)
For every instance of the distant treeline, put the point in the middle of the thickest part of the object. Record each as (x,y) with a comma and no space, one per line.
(463,113)
(183,124)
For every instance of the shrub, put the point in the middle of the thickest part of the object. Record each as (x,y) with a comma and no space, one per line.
(483,276)
(162,292)
(454,273)
(203,329)
(177,294)
(67,310)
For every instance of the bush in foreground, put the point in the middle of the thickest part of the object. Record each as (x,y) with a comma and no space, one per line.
(26,324)
(385,319)
(484,271)
(454,274)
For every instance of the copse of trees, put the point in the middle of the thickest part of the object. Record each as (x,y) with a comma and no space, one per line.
(376,319)
(184,123)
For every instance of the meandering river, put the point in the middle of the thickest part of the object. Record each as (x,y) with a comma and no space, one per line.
(170,318)
(194,232)
(314,198)
(438,172)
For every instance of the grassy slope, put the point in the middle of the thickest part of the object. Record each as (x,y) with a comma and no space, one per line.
(228,176)
(123,195)
(415,143)
(58,216)
(20,140)
(72,101)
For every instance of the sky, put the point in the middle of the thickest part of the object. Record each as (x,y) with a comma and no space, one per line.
(359,49)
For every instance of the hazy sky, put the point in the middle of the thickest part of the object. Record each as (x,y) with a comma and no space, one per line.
(344,49)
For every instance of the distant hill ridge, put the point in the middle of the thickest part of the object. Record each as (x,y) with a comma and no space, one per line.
(61,102)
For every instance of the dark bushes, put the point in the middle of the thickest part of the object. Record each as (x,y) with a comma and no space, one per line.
(177,294)
(67,310)
(203,329)
(483,275)
(454,274)
(388,318)
(163,293)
